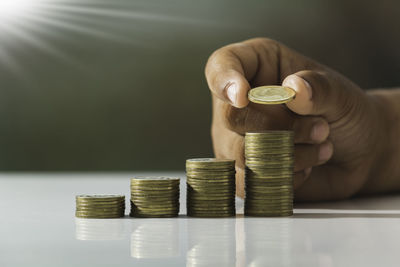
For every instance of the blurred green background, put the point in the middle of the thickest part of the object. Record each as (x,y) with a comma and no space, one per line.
(119,85)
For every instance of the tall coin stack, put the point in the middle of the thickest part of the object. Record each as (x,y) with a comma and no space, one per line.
(100,206)
(154,197)
(210,187)
(269,173)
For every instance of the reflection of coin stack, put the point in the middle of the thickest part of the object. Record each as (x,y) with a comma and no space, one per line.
(211,242)
(154,197)
(268,243)
(100,206)
(155,239)
(210,187)
(269,173)
(100,229)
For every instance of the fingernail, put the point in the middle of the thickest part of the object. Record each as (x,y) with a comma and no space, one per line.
(325,152)
(319,131)
(232,93)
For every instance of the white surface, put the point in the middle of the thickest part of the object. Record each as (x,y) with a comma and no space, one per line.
(38,228)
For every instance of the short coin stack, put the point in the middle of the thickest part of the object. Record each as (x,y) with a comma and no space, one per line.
(210,187)
(154,197)
(269,173)
(100,206)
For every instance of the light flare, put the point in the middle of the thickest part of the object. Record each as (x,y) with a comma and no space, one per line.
(37,23)
(14,9)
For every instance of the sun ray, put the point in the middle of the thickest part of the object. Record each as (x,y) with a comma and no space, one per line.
(27,36)
(9,62)
(39,22)
(123,14)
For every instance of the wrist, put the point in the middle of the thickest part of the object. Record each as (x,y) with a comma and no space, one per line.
(384,175)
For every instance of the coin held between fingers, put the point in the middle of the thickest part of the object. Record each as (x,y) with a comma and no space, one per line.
(271,95)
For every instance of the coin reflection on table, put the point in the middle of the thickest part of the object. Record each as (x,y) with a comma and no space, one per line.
(155,238)
(99,229)
(268,242)
(211,242)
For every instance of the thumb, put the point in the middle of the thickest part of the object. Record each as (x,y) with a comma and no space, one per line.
(327,94)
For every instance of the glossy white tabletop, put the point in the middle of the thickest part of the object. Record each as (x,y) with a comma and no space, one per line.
(38,228)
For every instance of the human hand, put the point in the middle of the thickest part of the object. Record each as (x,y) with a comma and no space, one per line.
(338,137)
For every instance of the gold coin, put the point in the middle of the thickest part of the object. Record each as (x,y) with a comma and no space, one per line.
(270,208)
(153,216)
(210,190)
(153,213)
(210,205)
(100,204)
(154,192)
(212,208)
(210,198)
(276,208)
(101,198)
(99,216)
(100,207)
(264,171)
(81,214)
(151,186)
(210,163)
(260,144)
(211,215)
(211,182)
(209,195)
(141,215)
(270,133)
(211,176)
(211,185)
(250,183)
(222,171)
(155,201)
(270,140)
(155,179)
(155,196)
(151,203)
(264,152)
(269,165)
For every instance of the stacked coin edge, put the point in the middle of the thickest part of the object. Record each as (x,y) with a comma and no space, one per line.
(155,197)
(210,187)
(269,173)
(100,206)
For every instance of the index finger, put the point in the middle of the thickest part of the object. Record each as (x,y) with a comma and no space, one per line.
(230,68)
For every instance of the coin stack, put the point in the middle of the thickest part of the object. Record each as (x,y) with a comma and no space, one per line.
(100,206)
(154,197)
(210,187)
(269,173)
